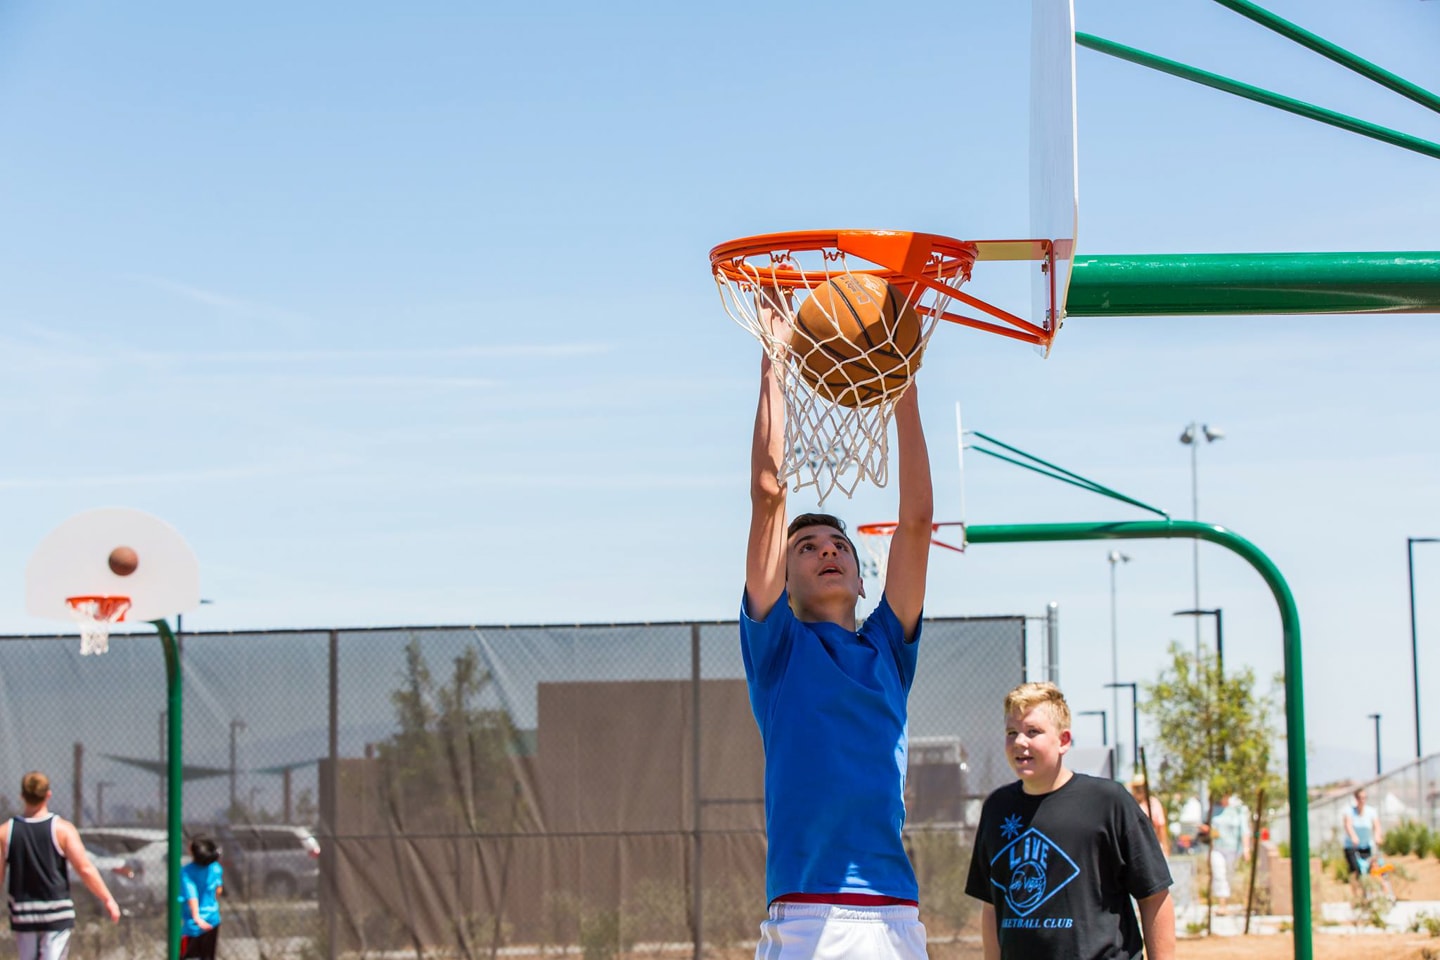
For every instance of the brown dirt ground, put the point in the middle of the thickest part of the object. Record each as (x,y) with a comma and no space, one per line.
(1414,879)
(1380,946)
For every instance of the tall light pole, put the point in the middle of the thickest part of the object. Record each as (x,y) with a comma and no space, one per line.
(1104,735)
(235,726)
(1219,659)
(1104,725)
(1191,437)
(1218,614)
(1376,718)
(1115,557)
(1134,720)
(1414,645)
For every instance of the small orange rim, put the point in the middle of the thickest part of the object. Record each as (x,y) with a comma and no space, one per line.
(107,606)
(888,527)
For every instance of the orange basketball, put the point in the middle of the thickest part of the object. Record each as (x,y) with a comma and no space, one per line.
(857,340)
(123,561)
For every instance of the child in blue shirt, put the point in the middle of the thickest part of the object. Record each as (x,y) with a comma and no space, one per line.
(201,884)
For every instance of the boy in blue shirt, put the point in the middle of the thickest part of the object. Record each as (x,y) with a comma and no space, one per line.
(201,883)
(830,701)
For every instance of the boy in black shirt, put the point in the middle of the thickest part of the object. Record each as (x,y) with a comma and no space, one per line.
(1058,855)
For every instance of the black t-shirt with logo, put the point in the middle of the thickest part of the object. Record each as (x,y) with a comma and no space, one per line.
(1060,869)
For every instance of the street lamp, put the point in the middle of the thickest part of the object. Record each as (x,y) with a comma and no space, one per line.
(1376,718)
(1104,734)
(1191,437)
(235,726)
(1217,613)
(1115,557)
(1414,648)
(1104,724)
(1219,656)
(1134,721)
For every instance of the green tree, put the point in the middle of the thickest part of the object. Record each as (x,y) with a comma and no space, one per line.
(451,759)
(1214,729)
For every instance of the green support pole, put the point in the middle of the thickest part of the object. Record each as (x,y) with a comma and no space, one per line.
(175,783)
(1290,631)
(1245,284)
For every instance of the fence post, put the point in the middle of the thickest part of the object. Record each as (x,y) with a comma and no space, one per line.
(697,891)
(330,856)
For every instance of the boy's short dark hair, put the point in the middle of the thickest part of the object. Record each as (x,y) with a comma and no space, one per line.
(819,520)
(204,851)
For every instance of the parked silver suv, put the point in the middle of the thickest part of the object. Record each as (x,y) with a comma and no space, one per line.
(146,845)
(269,860)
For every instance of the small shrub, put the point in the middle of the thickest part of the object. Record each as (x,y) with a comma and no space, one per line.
(657,912)
(1372,903)
(1423,842)
(1401,839)
(600,935)
(1195,928)
(1426,921)
(1284,848)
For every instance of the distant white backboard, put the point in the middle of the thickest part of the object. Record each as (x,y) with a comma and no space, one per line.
(74,560)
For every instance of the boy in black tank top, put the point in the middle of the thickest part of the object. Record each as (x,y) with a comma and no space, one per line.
(34,851)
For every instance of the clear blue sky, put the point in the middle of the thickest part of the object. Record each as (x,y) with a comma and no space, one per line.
(402,313)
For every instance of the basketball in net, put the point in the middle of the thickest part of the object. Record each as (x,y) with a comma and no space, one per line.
(857,340)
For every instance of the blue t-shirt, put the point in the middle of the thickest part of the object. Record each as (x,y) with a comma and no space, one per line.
(831,706)
(202,884)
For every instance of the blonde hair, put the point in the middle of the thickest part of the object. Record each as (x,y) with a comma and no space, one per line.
(1028,696)
(34,787)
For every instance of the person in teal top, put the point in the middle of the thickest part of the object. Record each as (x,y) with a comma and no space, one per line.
(201,884)
(1362,832)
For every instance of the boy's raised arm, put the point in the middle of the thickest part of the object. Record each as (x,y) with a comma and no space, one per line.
(910,546)
(765,554)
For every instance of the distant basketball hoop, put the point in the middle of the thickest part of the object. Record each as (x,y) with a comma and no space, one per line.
(95,615)
(875,542)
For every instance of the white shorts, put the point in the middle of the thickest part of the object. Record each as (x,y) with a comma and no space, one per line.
(1219,875)
(43,945)
(801,931)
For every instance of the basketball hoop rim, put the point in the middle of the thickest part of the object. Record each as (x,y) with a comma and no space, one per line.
(919,261)
(107,605)
(726,259)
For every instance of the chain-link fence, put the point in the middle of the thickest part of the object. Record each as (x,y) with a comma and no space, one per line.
(1410,794)
(465,790)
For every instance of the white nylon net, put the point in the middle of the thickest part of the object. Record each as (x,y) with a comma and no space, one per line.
(96,614)
(876,550)
(840,390)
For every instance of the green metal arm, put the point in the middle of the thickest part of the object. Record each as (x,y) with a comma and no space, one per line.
(1290,631)
(1299,107)
(174,789)
(1333,52)
(1244,284)
(1056,472)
